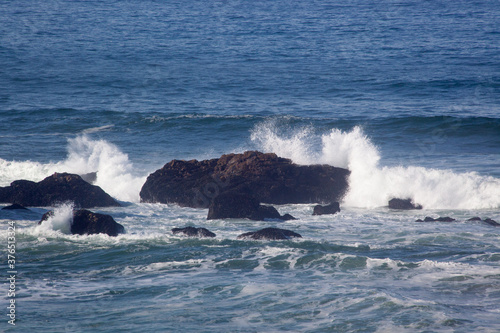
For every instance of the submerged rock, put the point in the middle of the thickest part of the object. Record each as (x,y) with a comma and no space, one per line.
(329,209)
(233,205)
(193,232)
(439,219)
(492,222)
(406,204)
(14,207)
(86,222)
(55,189)
(267,177)
(270,234)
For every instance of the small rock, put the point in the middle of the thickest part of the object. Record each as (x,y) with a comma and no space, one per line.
(193,232)
(439,219)
(86,222)
(492,222)
(15,206)
(329,209)
(270,234)
(406,204)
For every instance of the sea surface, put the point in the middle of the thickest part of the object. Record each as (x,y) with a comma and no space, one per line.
(405,94)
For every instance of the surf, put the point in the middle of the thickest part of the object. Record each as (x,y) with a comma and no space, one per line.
(371,184)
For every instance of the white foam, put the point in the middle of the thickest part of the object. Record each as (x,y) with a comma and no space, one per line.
(372,185)
(115,173)
(59,222)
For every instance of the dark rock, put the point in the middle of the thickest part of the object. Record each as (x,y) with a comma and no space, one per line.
(397,203)
(329,209)
(287,217)
(233,205)
(46,216)
(193,232)
(15,206)
(492,222)
(86,222)
(270,234)
(267,177)
(439,219)
(487,220)
(55,189)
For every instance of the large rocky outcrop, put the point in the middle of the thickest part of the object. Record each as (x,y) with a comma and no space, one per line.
(267,177)
(86,222)
(59,187)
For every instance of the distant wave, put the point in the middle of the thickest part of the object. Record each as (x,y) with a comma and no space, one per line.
(370,184)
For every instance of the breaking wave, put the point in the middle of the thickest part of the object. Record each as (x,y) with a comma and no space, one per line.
(372,185)
(115,173)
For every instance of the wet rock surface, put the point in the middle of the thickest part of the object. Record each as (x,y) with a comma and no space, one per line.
(267,177)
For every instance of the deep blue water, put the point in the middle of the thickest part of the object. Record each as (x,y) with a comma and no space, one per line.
(406,94)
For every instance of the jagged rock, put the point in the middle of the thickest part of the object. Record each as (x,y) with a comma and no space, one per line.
(55,189)
(267,177)
(329,209)
(86,222)
(270,234)
(15,206)
(233,205)
(439,219)
(397,203)
(193,232)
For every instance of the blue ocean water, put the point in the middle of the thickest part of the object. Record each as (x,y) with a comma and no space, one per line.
(406,94)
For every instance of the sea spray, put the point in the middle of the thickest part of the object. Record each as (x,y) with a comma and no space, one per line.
(115,172)
(60,221)
(372,185)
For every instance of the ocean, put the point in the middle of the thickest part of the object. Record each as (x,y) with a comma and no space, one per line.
(405,94)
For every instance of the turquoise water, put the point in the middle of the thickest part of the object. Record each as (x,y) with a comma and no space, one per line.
(405,94)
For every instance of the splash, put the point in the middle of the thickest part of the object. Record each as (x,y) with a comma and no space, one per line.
(372,185)
(115,173)
(60,221)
